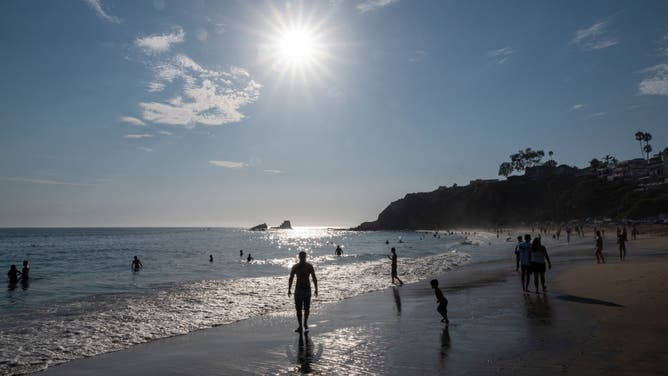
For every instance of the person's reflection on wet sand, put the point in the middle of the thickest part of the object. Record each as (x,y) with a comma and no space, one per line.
(445,342)
(538,309)
(305,356)
(397,299)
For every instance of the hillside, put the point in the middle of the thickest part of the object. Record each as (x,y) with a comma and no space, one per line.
(521,200)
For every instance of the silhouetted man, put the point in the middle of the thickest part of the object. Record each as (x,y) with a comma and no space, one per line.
(302,289)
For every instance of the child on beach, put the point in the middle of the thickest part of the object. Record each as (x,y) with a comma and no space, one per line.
(441,300)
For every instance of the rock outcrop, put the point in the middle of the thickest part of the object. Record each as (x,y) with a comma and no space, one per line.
(284,226)
(260,227)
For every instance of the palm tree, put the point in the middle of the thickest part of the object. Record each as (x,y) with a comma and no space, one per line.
(639,137)
(648,149)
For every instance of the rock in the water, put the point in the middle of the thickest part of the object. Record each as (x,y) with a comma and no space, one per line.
(261,227)
(284,226)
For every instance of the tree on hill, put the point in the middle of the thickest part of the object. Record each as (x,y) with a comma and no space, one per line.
(595,164)
(645,137)
(610,160)
(521,160)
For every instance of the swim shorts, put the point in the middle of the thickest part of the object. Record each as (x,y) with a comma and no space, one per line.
(302,298)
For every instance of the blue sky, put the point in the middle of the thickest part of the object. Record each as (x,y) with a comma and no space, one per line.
(172,113)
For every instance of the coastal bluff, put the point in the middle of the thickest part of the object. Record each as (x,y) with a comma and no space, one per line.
(521,200)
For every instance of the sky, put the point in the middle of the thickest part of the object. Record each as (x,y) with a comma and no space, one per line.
(235,113)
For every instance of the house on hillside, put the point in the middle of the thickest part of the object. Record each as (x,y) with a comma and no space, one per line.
(542,172)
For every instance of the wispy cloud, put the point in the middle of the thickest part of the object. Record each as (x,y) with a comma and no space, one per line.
(501,55)
(43,181)
(159,43)
(655,81)
(165,133)
(597,114)
(594,37)
(206,96)
(578,106)
(96,5)
(273,171)
(228,164)
(369,5)
(418,55)
(137,136)
(144,148)
(132,120)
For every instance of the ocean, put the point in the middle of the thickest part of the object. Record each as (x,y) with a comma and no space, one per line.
(83,299)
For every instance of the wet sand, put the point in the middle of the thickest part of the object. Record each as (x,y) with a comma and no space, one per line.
(495,329)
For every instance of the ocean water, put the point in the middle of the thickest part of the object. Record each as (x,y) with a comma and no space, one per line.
(83,299)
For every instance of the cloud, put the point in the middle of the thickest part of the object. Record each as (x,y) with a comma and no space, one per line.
(577,107)
(206,97)
(44,181)
(655,82)
(166,133)
(96,5)
(594,37)
(138,136)
(154,87)
(273,171)
(155,44)
(369,5)
(144,148)
(598,114)
(417,56)
(228,164)
(501,55)
(132,120)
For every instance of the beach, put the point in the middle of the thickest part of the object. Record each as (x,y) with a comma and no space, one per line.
(595,319)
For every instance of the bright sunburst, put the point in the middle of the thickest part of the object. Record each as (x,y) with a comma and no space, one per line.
(296,47)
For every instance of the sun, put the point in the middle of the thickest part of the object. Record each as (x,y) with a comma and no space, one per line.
(296,47)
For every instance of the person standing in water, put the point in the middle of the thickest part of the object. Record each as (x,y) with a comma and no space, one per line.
(25,272)
(13,275)
(210,258)
(599,248)
(394,266)
(303,270)
(136,264)
(249,258)
(241,253)
(338,250)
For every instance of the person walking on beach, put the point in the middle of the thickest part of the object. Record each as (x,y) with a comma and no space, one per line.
(524,249)
(303,270)
(517,253)
(442,302)
(599,248)
(634,232)
(136,264)
(538,257)
(394,266)
(621,242)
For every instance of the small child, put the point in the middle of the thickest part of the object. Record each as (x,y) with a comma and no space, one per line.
(442,302)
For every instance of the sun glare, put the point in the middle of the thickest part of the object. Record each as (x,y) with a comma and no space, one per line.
(296,47)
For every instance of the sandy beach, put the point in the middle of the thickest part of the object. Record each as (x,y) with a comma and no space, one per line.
(596,319)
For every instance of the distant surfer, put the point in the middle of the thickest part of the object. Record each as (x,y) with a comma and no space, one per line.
(338,251)
(303,270)
(136,264)
(249,258)
(210,258)
(241,253)
(393,257)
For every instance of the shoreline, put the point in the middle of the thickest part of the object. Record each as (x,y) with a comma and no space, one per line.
(495,330)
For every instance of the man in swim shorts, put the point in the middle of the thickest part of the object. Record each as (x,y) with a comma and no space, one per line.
(302,289)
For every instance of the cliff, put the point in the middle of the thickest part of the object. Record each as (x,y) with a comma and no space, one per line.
(520,200)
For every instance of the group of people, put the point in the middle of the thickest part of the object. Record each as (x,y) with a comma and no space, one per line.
(304,273)
(13,275)
(531,258)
